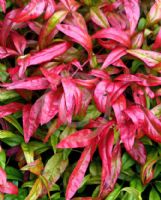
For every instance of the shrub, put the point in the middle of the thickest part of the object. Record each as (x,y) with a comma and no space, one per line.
(80,99)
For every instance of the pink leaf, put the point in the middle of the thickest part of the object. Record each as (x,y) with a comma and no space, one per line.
(33,116)
(9,188)
(3,5)
(19,42)
(3,178)
(50,8)
(132,11)
(25,118)
(114,34)
(110,178)
(73,98)
(137,40)
(152,127)
(154,14)
(79,171)
(6,187)
(10,108)
(113,56)
(77,34)
(138,152)
(105,151)
(50,106)
(78,139)
(42,56)
(30,83)
(71,5)
(157,42)
(32,11)
(5,52)
(100,96)
(98,17)
(150,58)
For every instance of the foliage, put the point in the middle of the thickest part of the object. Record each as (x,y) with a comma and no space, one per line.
(80,99)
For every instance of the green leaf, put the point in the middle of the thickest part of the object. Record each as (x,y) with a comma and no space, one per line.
(158,186)
(22,193)
(54,168)
(55,196)
(28,152)
(2,158)
(13,173)
(95,168)
(28,184)
(154,195)
(84,183)
(38,147)
(133,193)
(96,191)
(127,162)
(14,122)
(7,95)
(36,190)
(115,193)
(3,72)
(136,183)
(92,113)
(54,140)
(10,138)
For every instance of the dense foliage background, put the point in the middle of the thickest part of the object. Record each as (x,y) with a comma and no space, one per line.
(80,106)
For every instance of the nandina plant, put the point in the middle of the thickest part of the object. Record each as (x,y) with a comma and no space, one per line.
(80,77)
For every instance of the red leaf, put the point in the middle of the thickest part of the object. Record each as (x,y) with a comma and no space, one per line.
(98,17)
(71,99)
(52,77)
(10,108)
(110,179)
(105,151)
(50,8)
(157,42)
(71,5)
(8,24)
(78,139)
(42,56)
(137,40)
(100,96)
(113,56)
(43,110)
(5,52)
(9,188)
(119,106)
(19,42)
(33,116)
(78,173)
(32,10)
(30,83)
(152,127)
(154,14)
(147,170)
(77,34)
(117,20)
(50,106)
(6,187)
(132,11)
(49,29)
(114,34)
(25,118)
(3,5)
(35,26)
(138,152)
(3,178)
(106,93)
(150,58)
